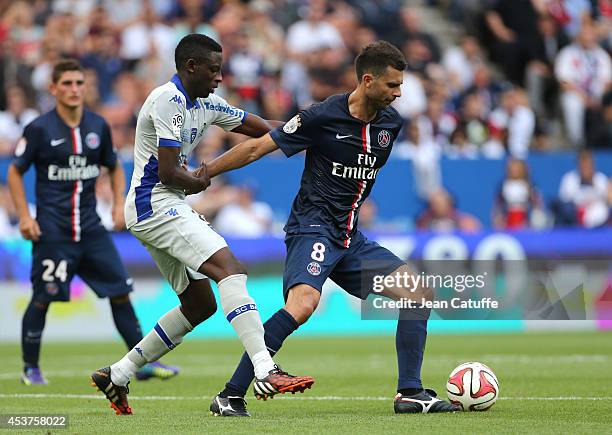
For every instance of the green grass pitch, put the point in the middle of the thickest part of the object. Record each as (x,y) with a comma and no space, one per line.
(550,383)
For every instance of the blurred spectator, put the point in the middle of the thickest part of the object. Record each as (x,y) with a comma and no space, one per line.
(600,133)
(425,157)
(583,195)
(24,34)
(103,58)
(517,121)
(540,82)
(17,115)
(244,70)
(473,118)
(460,62)
(122,13)
(487,89)
(245,217)
(583,70)
(411,30)
(413,100)
(266,37)
(441,215)
(513,24)
(146,37)
(435,124)
(193,21)
(518,204)
(459,147)
(571,14)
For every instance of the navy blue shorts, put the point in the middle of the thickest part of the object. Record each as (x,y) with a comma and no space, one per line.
(95,259)
(312,258)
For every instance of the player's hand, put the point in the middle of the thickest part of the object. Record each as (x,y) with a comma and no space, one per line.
(29,229)
(118,217)
(203,180)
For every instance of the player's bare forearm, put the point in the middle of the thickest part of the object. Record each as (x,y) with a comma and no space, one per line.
(172,174)
(117,178)
(241,155)
(15,185)
(256,126)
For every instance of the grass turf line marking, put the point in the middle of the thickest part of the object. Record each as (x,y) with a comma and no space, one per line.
(321,398)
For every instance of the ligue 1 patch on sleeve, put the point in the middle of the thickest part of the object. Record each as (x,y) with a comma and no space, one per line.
(292,125)
(177,125)
(21,147)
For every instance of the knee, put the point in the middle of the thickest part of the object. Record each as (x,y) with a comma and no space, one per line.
(235,267)
(301,304)
(43,306)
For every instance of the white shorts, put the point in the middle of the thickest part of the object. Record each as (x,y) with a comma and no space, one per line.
(179,240)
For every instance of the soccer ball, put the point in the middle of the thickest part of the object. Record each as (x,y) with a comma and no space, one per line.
(473,386)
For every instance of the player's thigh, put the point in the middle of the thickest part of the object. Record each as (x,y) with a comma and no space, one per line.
(174,271)
(364,261)
(53,266)
(180,233)
(310,260)
(102,268)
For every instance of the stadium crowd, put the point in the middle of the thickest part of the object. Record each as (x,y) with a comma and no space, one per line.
(523,76)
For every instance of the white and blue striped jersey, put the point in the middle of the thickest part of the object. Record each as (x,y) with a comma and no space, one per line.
(168,118)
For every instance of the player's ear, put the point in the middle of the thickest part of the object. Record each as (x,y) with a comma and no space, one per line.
(190,65)
(367,79)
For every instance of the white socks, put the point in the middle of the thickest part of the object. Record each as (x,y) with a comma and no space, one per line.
(165,336)
(241,312)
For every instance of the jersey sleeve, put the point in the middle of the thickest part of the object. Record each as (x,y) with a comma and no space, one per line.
(297,134)
(109,155)
(168,117)
(27,147)
(225,115)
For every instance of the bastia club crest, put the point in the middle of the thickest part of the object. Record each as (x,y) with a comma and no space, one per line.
(292,125)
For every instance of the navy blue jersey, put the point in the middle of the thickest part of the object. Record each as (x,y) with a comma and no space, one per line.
(343,157)
(67,162)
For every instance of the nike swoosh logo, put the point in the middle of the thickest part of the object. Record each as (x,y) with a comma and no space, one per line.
(56,142)
(342,136)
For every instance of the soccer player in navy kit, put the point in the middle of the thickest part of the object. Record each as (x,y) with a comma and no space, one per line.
(347,138)
(67,147)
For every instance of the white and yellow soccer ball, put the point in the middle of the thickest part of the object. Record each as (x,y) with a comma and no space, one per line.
(473,386)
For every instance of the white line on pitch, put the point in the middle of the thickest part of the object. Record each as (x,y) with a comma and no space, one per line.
(322,398)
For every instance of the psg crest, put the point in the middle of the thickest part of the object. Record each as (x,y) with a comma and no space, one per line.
(384,138)
(92,140)
(314,268)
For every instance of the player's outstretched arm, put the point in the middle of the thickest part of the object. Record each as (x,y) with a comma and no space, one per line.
(173,174)
(27,224)
(256,126)
(242,154)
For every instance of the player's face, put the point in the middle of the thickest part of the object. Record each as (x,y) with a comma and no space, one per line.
(384,89)
(69,89)
(207,75)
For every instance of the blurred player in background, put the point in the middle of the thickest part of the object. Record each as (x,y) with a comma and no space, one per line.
(185,247)
(67,147)
(347,138)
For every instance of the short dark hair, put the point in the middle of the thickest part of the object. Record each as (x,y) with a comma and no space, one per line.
(376,57)
(65,65)
(194,46)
